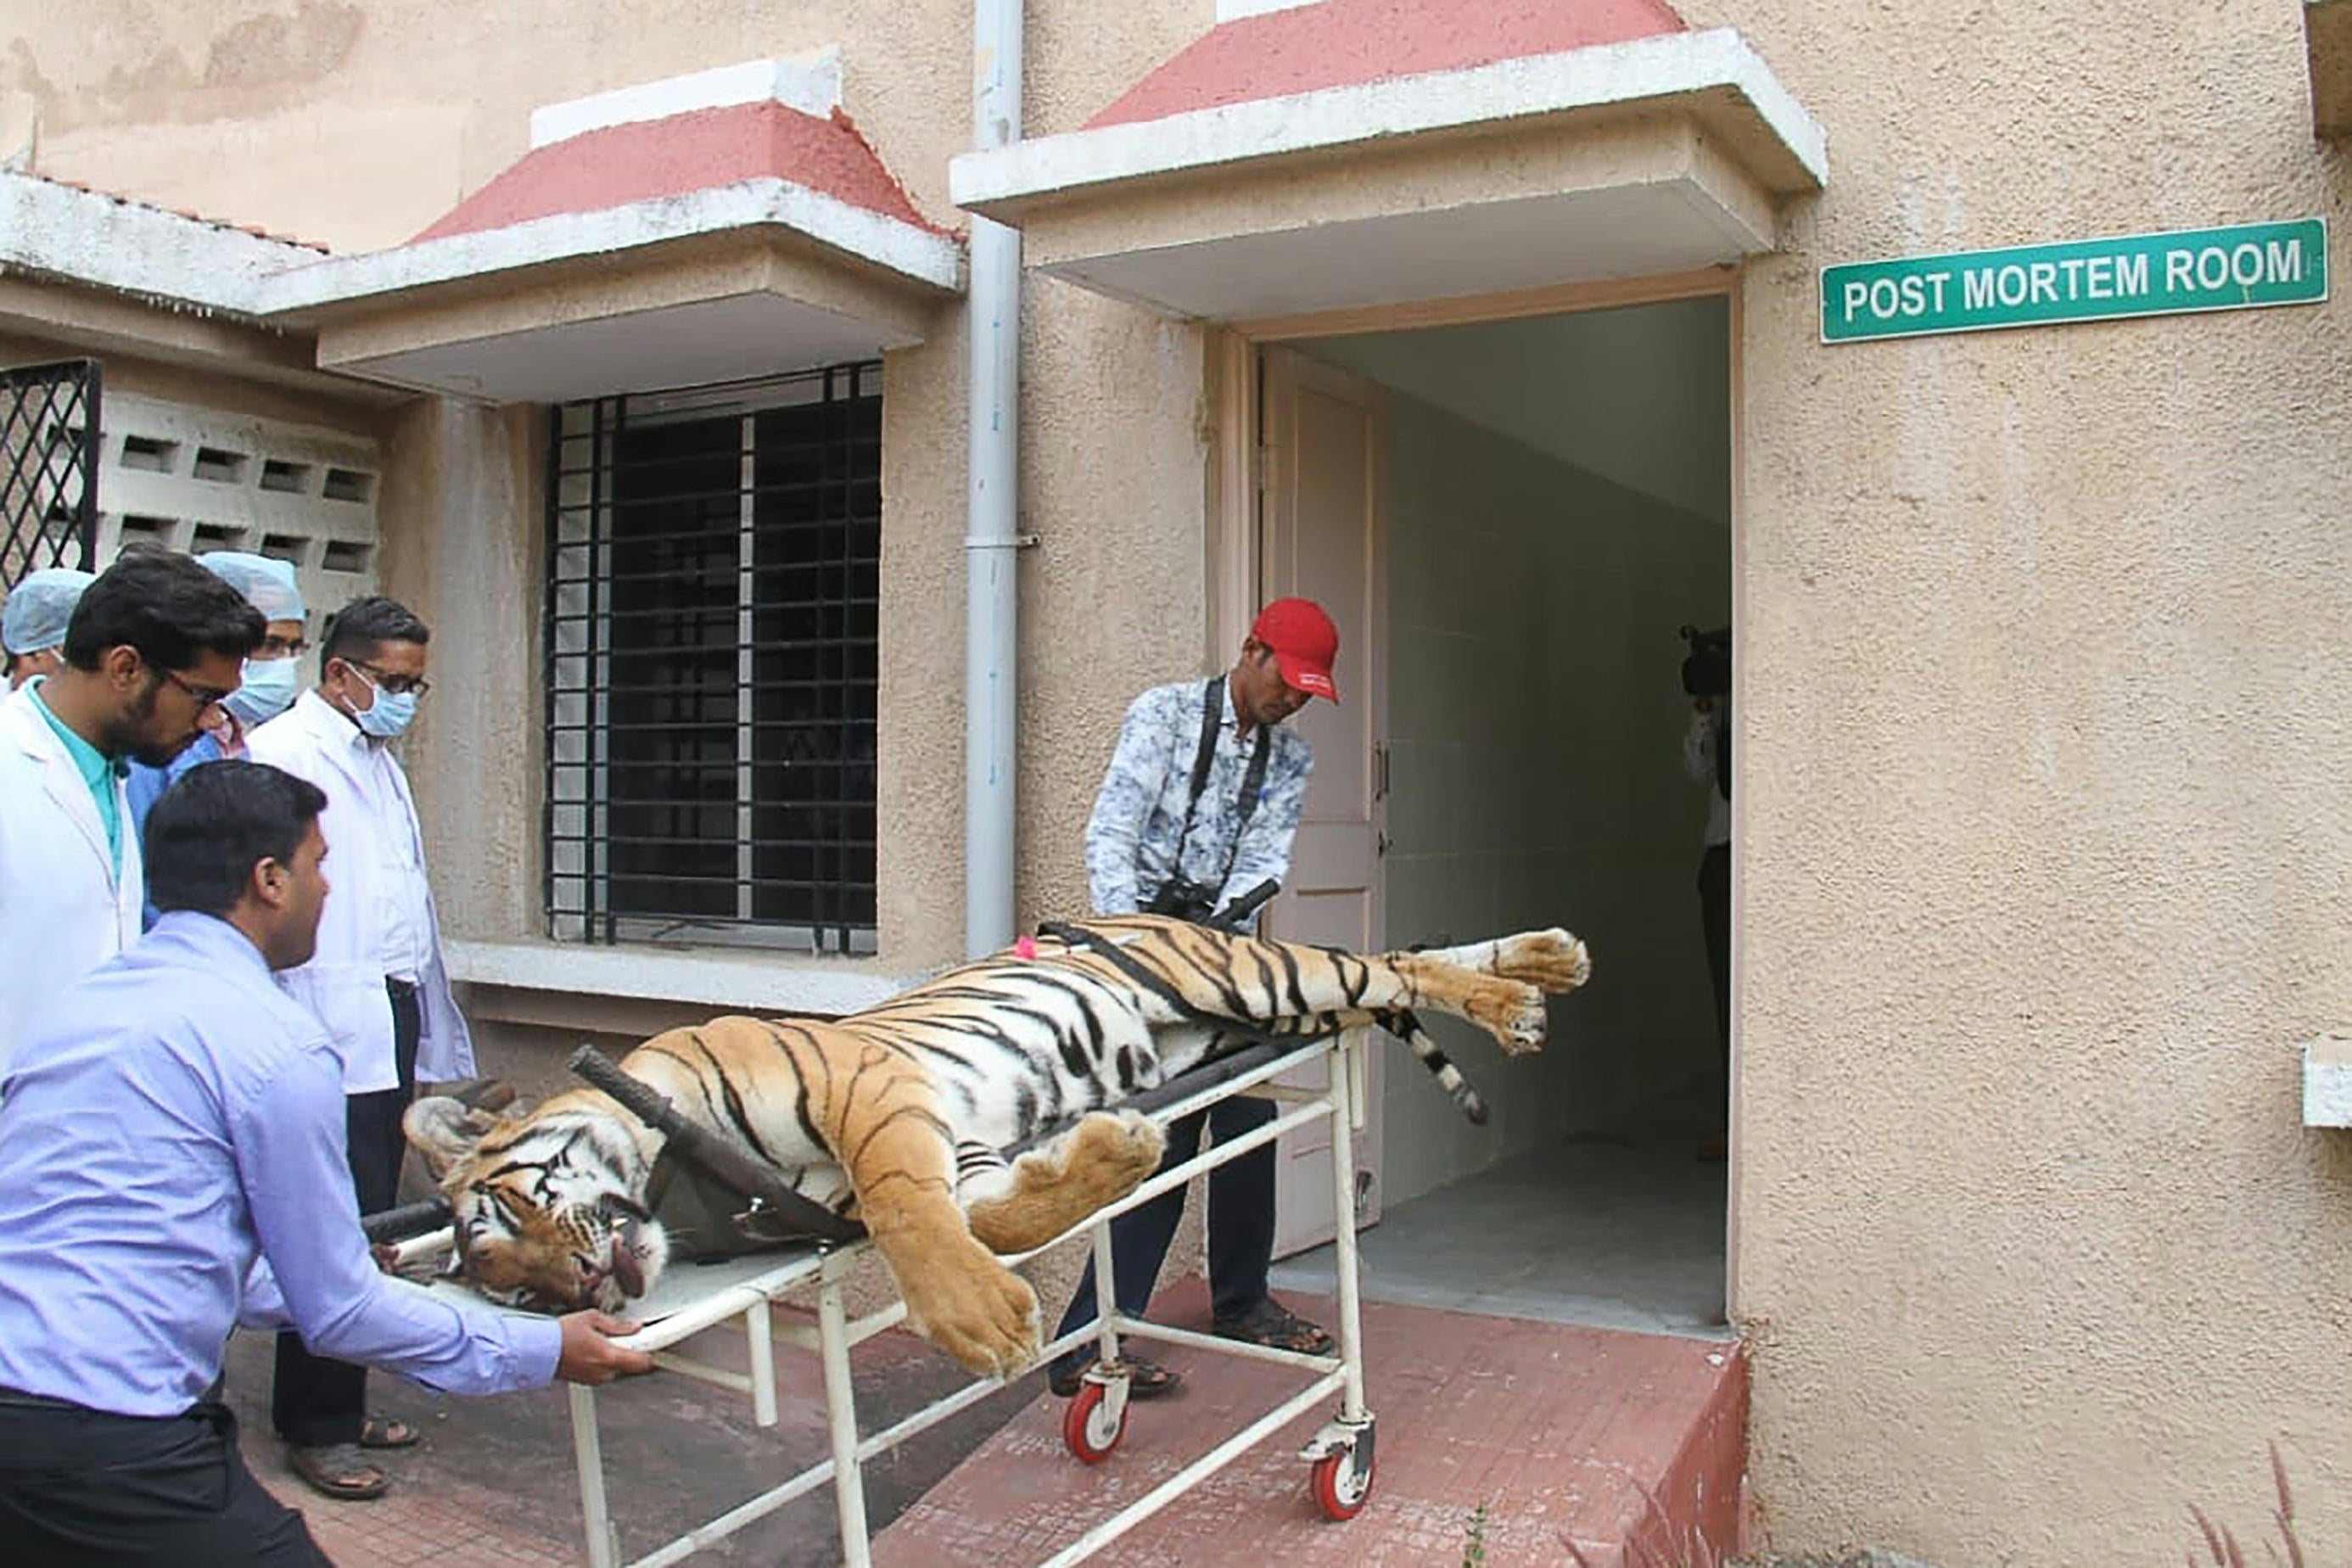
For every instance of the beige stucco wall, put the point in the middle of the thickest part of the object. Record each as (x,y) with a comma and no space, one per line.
(2046,867)
(358,124)
(2045,860)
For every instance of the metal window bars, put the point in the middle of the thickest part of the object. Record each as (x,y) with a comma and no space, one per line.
(711,626)
(48,467)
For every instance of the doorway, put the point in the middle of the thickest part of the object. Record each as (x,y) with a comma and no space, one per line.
(1550,500)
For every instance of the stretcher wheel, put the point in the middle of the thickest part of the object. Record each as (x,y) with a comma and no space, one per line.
(1340,1489)
(1087,1425)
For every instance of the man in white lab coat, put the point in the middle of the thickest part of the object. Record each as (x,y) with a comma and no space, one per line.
(152,646)
(376,981)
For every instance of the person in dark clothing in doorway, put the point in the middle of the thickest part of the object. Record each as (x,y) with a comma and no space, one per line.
(1706,757)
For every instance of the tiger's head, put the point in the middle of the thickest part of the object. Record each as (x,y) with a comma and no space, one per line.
(548,1208)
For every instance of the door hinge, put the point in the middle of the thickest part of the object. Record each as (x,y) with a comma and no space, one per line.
(1380,770)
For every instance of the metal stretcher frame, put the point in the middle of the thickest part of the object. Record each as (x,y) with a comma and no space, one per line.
(1341,1453)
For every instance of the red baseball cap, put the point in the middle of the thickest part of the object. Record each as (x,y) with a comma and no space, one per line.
(1305,644)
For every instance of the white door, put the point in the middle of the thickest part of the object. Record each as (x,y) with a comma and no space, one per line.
(1320,537)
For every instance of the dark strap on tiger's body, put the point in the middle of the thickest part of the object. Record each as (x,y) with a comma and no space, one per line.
(1079,937)
(777,1212)
(1213,714)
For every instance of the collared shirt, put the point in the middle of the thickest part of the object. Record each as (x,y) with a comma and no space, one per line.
(1134,837)
(97,769)
(379,922)
(146,785)
(173,1165)
(379,826)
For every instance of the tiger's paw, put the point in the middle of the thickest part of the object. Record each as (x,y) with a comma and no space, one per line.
(1550,961)
(977,1310)
(1101,1160)
(1514,1012)
(1119,1149)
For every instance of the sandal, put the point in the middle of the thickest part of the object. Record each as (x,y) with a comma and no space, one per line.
(388,1432)
(1275,1326)
(338,1470)
(1145,1379)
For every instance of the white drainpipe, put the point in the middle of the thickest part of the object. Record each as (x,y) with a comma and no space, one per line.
(993,543)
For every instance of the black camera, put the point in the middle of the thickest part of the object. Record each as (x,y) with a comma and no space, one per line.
(1194,902)
(1707,673)
(1184,899)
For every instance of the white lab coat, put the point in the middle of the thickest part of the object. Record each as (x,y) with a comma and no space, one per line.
(343,981)
(65,906)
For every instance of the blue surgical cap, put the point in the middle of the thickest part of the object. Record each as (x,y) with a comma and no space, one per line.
(39,607)
(268,585)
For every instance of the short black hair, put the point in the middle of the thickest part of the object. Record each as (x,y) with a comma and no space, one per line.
(207,832)
(166,606)
(365,624)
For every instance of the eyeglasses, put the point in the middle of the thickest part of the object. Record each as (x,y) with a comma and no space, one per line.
(398,684)
(205,697)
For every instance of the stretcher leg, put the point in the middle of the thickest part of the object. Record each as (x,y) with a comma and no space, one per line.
(841,1414)
(588,1453)
(1343,1198)
(1341,1455)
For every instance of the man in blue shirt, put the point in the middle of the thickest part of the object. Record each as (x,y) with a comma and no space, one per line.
(172,1167)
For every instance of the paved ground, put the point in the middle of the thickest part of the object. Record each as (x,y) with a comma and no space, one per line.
(1617,1444)
(1607,1233)
(1548,1424)
(1564,1432)
(492,1486)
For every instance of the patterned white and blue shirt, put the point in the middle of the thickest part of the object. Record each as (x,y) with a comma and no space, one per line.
(1138,827)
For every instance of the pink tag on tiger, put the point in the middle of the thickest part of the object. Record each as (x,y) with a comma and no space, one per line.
(1025,947)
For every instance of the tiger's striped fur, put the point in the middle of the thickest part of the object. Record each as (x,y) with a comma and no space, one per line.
(897,1114)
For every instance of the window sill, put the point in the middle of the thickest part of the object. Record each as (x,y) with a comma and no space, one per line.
(762,983)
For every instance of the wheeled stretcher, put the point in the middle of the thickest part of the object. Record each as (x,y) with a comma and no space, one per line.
(691,1298)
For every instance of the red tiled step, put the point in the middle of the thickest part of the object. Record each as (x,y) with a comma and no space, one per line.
(1618,1444)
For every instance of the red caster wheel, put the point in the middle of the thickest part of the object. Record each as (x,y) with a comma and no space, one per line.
(1341,1488)
(1088,1427)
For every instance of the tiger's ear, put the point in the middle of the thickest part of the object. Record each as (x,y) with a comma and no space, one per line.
(445,1131)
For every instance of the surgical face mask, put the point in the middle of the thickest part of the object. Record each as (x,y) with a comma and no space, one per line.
(269,690)
(389,714)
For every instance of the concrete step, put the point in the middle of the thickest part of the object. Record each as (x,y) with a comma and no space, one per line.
(1626,1448)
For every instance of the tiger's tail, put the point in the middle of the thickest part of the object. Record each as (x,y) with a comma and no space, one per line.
(1406,1025)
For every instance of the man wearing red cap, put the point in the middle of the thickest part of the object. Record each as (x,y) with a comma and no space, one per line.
(1198,808)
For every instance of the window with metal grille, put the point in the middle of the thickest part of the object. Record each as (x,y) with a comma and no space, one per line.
(48,467)
(714,560)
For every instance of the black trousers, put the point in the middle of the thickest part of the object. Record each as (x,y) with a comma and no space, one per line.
(81,1488)
(1240,1224)
(315,1402)
(1715,909)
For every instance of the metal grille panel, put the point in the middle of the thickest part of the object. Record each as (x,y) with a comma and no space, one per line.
(714,562)
(48,467)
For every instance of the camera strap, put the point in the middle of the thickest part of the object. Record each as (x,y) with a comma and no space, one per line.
(1212,713)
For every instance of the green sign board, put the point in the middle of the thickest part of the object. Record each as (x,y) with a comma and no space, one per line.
(2234,268)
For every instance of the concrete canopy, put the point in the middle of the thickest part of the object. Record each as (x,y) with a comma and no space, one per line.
(1659,150)
(712,245)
